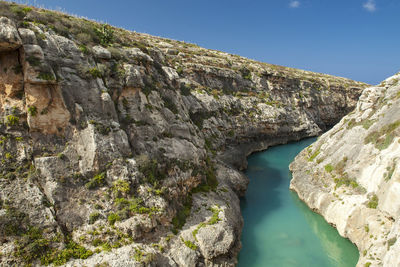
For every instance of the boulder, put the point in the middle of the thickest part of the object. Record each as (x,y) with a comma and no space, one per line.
(9,37)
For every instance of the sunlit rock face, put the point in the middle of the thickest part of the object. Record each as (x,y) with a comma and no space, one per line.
(351,175)
(122,148)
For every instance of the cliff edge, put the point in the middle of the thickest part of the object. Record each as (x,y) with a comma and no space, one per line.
(351,175)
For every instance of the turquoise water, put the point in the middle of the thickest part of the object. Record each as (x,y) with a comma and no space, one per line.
(279,229)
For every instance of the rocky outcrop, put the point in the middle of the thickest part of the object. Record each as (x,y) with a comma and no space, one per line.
(351,175)
(122,148)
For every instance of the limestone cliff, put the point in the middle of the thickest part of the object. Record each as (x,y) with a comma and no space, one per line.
(351,175)
(122,148)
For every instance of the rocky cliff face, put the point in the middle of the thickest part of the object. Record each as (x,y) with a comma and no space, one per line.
(351,175)
(122,148)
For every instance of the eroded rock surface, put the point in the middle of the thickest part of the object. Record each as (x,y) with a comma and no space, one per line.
(123,149)
(351,175)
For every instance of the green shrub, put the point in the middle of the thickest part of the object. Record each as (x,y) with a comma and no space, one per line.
(314,155)
(84,49)
(12,120)
(112,218)
(391,242)
(105,34)
(33,61)
(152,171)
(14,222)
(211,182)
(95,72)
(93,217)
(180,218)
(60,257)
(147,89)
(328,168)
(368,123)
(189,244)
(214,218)
(46,76)
(246,73)
(96,181)
(138,255)
(384,137)
(121,187)
(345,180)
(179,70)
(196,231)
(32,110)
(32,245)
(373,203)
(20,10)
(185,90)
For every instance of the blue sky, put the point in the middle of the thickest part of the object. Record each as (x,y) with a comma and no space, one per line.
(357,39)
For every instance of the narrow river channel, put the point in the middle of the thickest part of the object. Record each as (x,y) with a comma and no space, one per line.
(279,229)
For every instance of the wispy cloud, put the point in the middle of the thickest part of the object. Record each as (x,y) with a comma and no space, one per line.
(370,5)
(294,4)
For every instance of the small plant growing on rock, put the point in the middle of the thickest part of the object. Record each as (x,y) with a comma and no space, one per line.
(180,218)
(189,244)
(185,90)
(32,110)
(46,76)
(120,187)
(12,120)
(314,155)
(20,11)
(113,218)
(246,73)
(105,34)
(373,203)
(215,217)
(391,242)
(384,137)
(328,168)
(93,217)
(179,70)
(33,61)
(389,172)
(84,49)
(95,72)
(138,256)
(96,181)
